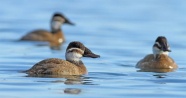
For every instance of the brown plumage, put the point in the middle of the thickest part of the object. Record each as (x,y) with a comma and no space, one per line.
(71,66)
(55,37)
(57,67)
(159,60)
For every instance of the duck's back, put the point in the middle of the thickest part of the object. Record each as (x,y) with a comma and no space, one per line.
(38,35)
(54,66)
(161,62)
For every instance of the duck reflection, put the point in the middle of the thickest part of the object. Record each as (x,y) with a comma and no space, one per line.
(72,91)
(156,70)
(67,80)
(160,75)
(52,47)
(58,47)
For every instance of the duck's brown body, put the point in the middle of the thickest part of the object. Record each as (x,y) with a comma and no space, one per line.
(161,61)
(71,66)
(55,66)
(55,37)
(44,35)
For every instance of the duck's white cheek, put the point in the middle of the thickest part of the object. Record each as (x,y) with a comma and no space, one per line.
(56,24)
(156,50)
(73,56)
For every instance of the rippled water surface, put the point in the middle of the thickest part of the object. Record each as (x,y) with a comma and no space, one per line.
(121,31)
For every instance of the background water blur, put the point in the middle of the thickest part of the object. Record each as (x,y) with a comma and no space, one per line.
(121,31)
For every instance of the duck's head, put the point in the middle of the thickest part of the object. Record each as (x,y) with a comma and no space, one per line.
(58,19)
(161,46)
(76,50)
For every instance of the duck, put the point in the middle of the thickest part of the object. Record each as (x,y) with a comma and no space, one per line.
(55,37)
(160,59)
(71,66)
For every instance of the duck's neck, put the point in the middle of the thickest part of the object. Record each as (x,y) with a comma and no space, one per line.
(159,56)
(158,52)
(78,63)
(58,35)
(57,32)
(53,31)
(80,66)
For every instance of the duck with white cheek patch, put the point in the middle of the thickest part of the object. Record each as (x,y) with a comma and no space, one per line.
(71,66)
(55,37)
(159,60)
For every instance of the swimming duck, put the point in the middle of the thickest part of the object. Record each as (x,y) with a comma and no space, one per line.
(55,37)
(159,59)
(71,66)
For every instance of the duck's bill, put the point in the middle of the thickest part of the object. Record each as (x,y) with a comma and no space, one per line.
(168,50)
(69,22)
(91,55)
(88,53)
(165,47)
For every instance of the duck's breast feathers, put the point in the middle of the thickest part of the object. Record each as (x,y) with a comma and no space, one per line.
(167,62)
(146,59)
(38,35)
(161,62)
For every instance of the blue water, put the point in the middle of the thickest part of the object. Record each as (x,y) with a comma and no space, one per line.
(121,31)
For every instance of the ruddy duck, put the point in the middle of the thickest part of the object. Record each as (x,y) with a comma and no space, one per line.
(159,59)
(71,66)
(55,37)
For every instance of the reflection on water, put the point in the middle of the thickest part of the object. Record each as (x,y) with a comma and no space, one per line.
(55,47)
(157,70)
(72,91)
(67,80)
(41,44)
(160,75)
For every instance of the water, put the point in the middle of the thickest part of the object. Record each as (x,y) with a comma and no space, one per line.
(121,31)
